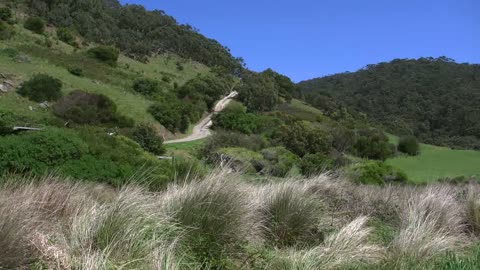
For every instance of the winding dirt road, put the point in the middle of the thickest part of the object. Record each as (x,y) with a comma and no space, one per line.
(202,129)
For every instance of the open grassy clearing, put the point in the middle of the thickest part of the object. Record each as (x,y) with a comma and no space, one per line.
(436,162)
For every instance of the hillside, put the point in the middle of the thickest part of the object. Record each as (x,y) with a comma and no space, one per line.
(434,99)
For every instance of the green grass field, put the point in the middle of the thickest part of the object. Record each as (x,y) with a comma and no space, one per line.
(436,162)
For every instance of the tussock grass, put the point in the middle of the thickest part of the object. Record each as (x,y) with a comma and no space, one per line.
(222,222)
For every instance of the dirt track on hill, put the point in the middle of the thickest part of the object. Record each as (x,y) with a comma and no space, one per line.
(202,129)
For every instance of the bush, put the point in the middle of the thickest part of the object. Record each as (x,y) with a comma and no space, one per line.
(77,71)
(6,31)
(377,173)
(35,24)
(86,108)
(409,145)
(5,14)
(148,139)
(65,35)
(373,144)
(247,123)
(280,161)
(223,139)
(303,138)
(146,87)
(39,151)
(312,164)
(41,88)
(106,54)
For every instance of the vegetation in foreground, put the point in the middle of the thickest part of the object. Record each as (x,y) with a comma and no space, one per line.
(221,222)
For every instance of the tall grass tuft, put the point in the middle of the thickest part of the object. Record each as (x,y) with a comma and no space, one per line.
(216,214)
(347,247)
(432,224)
(290,213)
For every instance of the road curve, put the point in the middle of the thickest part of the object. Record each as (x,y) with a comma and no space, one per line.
(202,129)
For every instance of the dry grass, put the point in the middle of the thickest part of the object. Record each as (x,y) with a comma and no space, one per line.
(209,223)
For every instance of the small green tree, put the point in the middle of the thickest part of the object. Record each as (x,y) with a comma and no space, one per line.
(65,35)
(146,87)
(409,145)
(6,31)
(106,54)
(35,24)
(41,87)
(315,163)
(373,144)
(148,139)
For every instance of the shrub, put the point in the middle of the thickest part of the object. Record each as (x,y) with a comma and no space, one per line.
(317,163)
(39,151)
(5,14)
(222,139)
(77,71)
(377,173)
(373,144)
(35,24)
(280,161)
(303,137)
(86,108)
(146,87)
(41,88)
(65,35)
(169,114)
(6,31)
(247,123)
(106,54)
(148,139)
(290,214)
(409,145)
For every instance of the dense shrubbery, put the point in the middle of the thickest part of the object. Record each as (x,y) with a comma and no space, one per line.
(66,35)
(222,139)
(280,161)
(40,151)
(86,108)
(378,173)
(77,71)
(317,163)
(5,14)
(373,144)
(205,89)
(41,88)
(35,24)
(147,87)
(148,139)
(106,54)
(409,145)
(303,137)
(171,114)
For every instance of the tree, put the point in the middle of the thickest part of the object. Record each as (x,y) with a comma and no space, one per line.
(147,138)
(5,14)
(258,92)
(41,88)
(315,163)
(65,35)
(106,54)
(409,145)
(35,24)
(373,144)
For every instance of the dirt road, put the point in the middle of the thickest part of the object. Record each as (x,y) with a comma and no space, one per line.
(202,129)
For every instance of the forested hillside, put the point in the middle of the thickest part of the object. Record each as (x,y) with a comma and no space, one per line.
(435,99)
(134,30)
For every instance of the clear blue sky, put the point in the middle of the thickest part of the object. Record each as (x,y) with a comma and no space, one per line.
(310,38)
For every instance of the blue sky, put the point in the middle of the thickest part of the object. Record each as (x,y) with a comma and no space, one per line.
(310,38)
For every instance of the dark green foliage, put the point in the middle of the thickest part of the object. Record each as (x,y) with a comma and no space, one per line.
(5,14)
(222,139)
(77,71)
(377,173)
(147,87)
(312,164)
(66,35)
(86,108)
(303,137)
(41,88)
(247,123)
(39,151)
(134,30)
(6,31)
(258,92)
(35,24)
(435,99)
(169,114)
(279,161)
(409,145)
(373,144)
(205,89)
(106,54)
(148,139)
